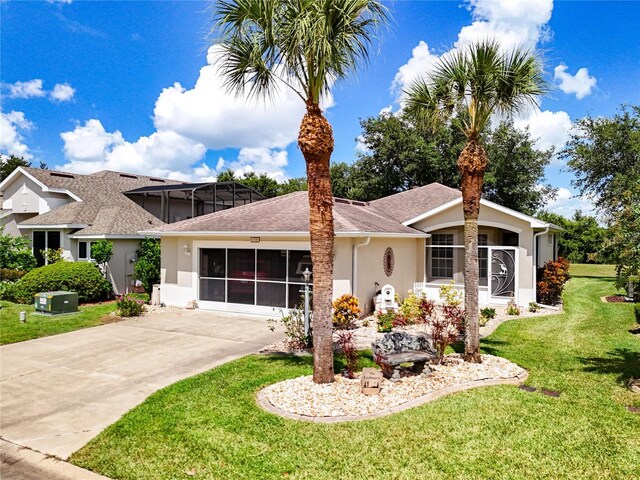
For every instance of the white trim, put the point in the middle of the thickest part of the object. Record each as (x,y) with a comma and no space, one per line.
(433,212)
(504,226)
(533,222)
(116,236)
(208,233)
(6,214)
(44,187)
(54,226)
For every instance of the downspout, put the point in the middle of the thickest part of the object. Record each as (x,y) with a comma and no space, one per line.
(354,264)
(535,259)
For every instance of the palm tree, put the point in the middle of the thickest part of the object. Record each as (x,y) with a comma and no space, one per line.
(304,45)
(472,84)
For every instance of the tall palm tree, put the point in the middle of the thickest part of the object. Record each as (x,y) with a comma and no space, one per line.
(473,83)
(303,45)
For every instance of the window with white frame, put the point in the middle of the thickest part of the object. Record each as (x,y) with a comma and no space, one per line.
(84,250)
(442,257)
(44,240)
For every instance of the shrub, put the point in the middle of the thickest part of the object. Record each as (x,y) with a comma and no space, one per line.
(348,347)
(554,277)
(147,268)
(52,255)
(345,312)
(81,277)
(513,309)
(129,306)
(486,314)
(446,328)
(416,309)
(293,324)
(15,252)
(534,307)
(9,291)
(102,251)
(11,275)
(450,296)
(389,320)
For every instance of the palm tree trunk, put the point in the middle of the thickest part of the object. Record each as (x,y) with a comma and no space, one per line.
(316,143)
(472,164)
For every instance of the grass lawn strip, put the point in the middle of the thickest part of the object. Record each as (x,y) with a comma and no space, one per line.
(39,325)
(210,424)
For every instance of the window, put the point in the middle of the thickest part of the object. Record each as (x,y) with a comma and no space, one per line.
(483,256)
(442,257)
(44,240)
(270,278)
(84,250)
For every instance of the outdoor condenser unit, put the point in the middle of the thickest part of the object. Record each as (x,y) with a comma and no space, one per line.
(56,303)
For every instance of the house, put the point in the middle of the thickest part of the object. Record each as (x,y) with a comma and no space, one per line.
(251,258)
(71,211)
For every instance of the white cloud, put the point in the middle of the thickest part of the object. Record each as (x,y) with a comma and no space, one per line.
(211,115)
(581,83)
(513,23)
(260,160)
(550,129)
(62,92)
(28,89)
(566,203)
(10,138)
(91,148)
(421,62)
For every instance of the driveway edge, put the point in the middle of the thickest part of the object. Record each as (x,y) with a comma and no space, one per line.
(21,462)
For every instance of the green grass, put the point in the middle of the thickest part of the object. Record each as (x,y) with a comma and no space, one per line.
(592,270)
(36,326)
(211,422)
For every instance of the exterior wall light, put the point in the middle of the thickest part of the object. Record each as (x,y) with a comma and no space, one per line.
(186,250)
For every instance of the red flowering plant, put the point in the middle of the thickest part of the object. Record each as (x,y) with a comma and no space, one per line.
(446,327)
(129,306)
(350,352)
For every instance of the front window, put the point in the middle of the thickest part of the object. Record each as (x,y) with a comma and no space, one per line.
(483,256)
(442,257)
(84,250)
(44,240)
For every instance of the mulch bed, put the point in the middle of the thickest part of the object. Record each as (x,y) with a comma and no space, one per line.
(614,299)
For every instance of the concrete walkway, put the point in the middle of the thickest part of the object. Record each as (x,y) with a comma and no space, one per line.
(57,393)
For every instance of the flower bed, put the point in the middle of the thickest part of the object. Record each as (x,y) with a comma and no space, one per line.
(301,399)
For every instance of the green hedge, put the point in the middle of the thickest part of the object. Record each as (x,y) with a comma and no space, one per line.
(81,277)
(11,274)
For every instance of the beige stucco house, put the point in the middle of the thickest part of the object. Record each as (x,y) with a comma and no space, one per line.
(251,258)
(55,209)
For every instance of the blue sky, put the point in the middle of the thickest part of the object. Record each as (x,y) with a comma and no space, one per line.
(125,85)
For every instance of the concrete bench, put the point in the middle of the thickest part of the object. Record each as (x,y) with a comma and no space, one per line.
(397,348)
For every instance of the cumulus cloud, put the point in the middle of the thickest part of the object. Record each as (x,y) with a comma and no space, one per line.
(566,203)
(581,83)
(211,115)
(271,162)
(62,92)
(11,141)
(90,148)
(421,62)
(550,129)
(28,89)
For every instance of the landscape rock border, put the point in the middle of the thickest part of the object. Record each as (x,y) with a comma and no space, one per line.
(264,403)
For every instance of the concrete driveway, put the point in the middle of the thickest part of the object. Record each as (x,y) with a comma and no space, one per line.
(57,393)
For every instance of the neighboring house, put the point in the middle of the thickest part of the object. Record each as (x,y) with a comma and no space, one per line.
(251,258)
(71,211)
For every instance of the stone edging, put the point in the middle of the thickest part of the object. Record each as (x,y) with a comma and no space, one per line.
(269,407)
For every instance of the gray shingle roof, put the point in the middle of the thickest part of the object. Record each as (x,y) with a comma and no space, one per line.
(411,203)
(290,213)
(104,208)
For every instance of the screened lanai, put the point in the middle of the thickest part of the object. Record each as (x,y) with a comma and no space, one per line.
(174,203)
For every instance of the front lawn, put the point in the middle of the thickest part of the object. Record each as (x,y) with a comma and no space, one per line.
(209,426)
(12,330)
(592,270)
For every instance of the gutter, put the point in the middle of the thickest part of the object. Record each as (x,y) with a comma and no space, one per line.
(535,257)
(354,264)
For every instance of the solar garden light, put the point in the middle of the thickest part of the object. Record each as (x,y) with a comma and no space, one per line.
(307,277)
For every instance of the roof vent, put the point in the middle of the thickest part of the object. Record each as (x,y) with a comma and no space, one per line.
(126,175)
(61,174)
(359,204)
(342,200)
(157,180)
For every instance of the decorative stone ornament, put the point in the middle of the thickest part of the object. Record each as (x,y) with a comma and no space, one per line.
(370,381)
(388,261)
